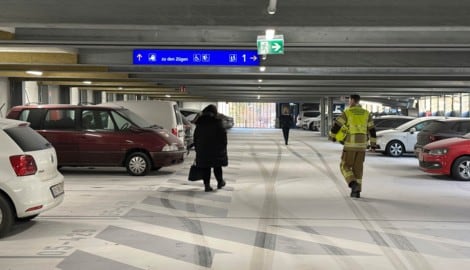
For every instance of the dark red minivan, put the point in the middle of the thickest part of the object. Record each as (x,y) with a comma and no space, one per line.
(88,135)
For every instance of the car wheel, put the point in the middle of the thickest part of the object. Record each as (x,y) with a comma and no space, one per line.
(461,168)
(395,149)
(6,216)
(311,127)
(138,164)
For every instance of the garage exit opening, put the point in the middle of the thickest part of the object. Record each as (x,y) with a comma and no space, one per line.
(250,115)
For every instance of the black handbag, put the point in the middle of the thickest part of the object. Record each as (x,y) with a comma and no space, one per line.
(195,173)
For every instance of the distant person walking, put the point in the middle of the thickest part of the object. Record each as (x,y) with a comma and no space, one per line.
(210,142)
(358,127)
(286,121)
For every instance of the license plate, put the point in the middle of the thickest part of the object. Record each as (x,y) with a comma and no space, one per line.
(57,190)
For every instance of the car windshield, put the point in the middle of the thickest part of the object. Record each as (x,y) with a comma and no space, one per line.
(134,118)
(311,114)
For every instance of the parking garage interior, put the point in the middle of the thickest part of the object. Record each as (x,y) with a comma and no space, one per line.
(284,206)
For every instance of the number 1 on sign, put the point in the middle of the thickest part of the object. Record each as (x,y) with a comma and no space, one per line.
(244,57)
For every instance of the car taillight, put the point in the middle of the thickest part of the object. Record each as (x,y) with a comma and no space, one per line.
(23,165)
(174,131)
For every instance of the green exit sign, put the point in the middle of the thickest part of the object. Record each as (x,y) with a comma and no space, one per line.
(270,46)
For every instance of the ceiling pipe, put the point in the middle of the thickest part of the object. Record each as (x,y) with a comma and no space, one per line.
(272,7)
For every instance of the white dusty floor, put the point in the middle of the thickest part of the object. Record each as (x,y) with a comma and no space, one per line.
(285,207)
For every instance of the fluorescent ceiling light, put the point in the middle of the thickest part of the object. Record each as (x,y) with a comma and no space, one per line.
(260,80)
(270,33)
(259,97)
(87,82)
(262,68)
(34,72)
(272,7)
(119,88)
(168,96)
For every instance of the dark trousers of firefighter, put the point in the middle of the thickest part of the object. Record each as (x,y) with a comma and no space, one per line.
(207,175)
(352,166)
(285,132)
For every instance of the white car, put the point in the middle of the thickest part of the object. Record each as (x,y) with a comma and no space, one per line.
(29,180)
(304,116)
(395,142)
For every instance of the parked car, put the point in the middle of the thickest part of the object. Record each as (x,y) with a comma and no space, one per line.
(314,123)
(390,121)
(158,112)
(29,180)
(304,115)
(102,136)
(442,129)
(447,156)
(395,142)
(189,132)
(192,114)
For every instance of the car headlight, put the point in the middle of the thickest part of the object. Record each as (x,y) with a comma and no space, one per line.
(438,152)
(170,147)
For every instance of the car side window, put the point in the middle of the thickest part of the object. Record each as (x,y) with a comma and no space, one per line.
(464,127)
(60,119)
(121,122)
(97,120)
(32,116)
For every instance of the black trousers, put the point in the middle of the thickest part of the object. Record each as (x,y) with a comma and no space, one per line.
(207,175)
(285,132)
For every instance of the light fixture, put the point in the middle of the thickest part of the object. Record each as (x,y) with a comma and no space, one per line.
(168,96)
(119,88)
(262,68)
(260,80)
(270,33)
(34,72)
(87,82)
(272,7)
(259,97)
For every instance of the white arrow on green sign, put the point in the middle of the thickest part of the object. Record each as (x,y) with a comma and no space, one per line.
(270,46)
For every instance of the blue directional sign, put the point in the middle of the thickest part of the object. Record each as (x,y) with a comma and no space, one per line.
(196,57)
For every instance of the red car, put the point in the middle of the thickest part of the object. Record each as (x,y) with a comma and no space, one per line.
(449,156)
(102,136)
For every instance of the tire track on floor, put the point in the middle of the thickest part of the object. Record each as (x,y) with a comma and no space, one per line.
(380,240)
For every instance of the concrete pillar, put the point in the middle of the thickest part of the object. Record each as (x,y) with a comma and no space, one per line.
(125,97)
(74,95)
(323,126)
(89,96)
(30,92)
(53,91)
(4,96)
(104,97)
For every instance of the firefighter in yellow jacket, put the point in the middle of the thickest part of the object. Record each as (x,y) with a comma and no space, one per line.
(354,128)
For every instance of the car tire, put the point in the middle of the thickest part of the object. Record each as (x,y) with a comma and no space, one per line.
(395,149)
(6,216)
(138,164)
(311,127)
(461,168)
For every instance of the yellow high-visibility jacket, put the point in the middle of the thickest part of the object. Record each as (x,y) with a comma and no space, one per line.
(358,127)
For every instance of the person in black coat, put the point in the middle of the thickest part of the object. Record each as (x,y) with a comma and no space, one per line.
(210,142)
(286,121)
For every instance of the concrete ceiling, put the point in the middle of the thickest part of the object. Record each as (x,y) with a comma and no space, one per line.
(384,50)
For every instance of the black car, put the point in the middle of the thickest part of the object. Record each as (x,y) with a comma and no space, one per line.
(442,129)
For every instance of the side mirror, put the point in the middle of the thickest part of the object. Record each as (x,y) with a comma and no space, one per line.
(412,130)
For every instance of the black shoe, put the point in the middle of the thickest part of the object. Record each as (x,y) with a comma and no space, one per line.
(221,184)
(355,194)
(355,189)
(208,189)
